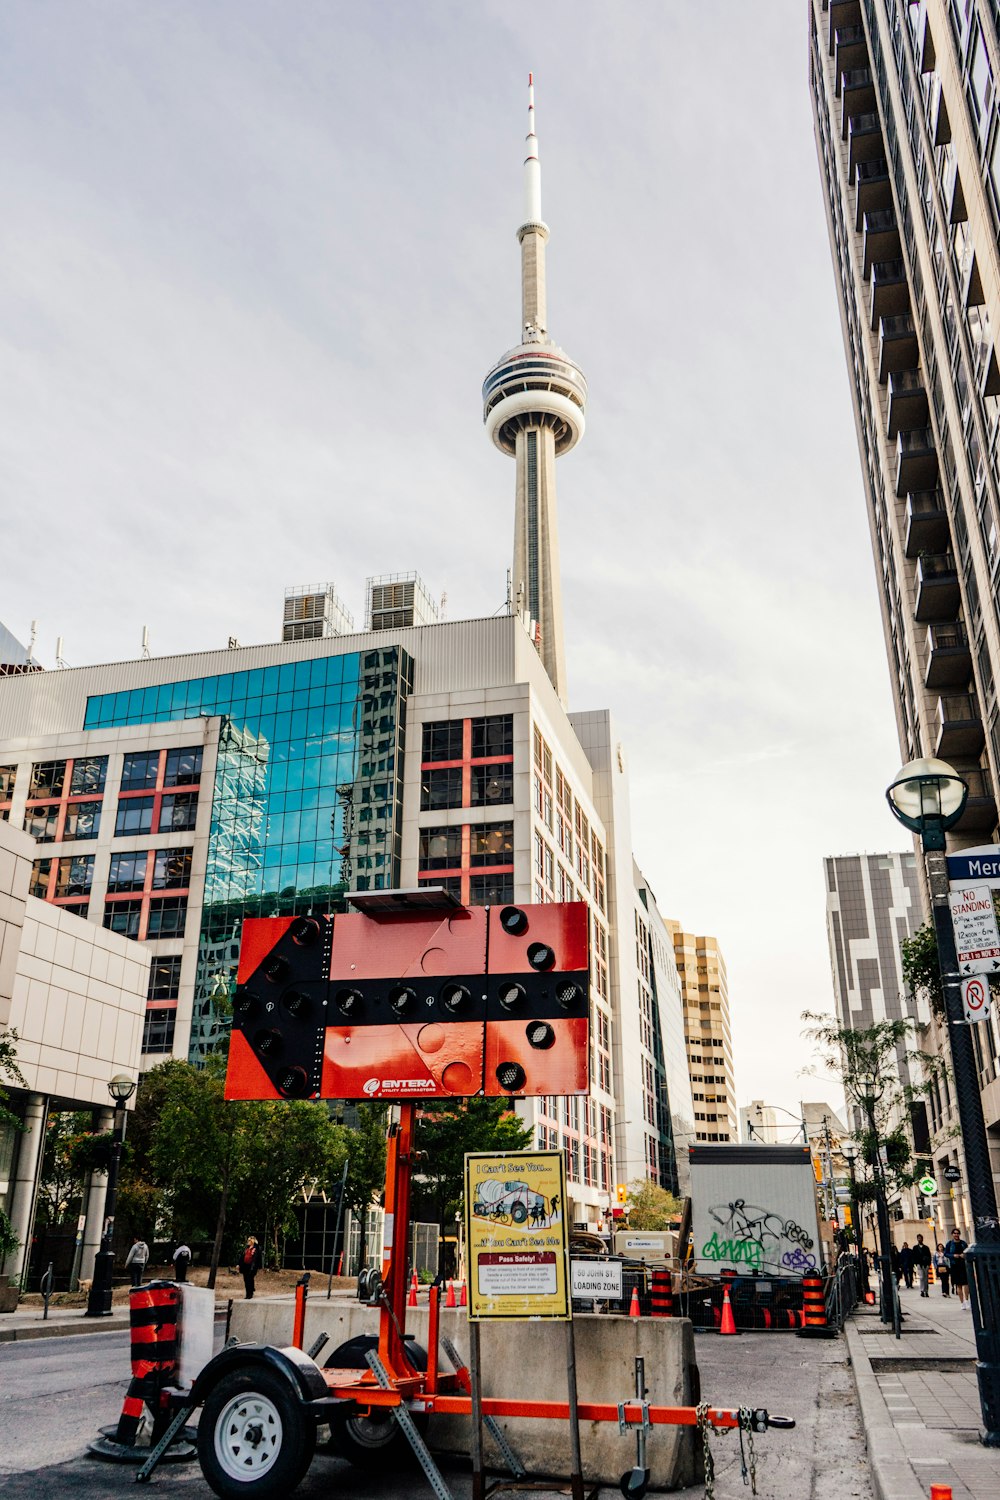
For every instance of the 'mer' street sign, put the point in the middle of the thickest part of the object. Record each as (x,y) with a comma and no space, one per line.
(977,938)
(979,866)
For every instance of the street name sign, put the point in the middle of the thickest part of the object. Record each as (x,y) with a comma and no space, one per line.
(976,999)
(977,938)
(979,866)
(597,1278)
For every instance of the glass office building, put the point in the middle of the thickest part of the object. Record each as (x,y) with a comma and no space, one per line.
(306,796)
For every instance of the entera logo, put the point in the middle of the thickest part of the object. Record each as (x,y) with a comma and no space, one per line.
(371,1085)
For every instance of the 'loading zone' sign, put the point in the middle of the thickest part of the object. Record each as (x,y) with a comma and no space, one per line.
(977,937)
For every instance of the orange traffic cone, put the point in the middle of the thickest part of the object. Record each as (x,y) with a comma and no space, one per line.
(634,1310)
(940,1492)
(462,1301)
(449,1300)
(411,1300)
(728,1324)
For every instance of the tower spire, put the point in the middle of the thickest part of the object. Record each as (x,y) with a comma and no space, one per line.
(533,408)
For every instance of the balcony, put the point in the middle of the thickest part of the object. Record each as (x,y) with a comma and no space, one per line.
(890,293)
(907,401)
(857,94)
(881,241)
(916,460)
(871,178)
(843,13)
(926,523)
(937,595)
(864,141)
(850,50)
(980,815)
(959,727)
(947,658)
(897,345)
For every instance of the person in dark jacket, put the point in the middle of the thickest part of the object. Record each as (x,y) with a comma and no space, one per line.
(894,1265)
(922,1264)
(250,1263)
(955,1251)
(906,1264)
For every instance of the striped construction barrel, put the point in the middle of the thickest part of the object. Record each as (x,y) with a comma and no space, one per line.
(661,1295)
(153,1312)
(814,1324)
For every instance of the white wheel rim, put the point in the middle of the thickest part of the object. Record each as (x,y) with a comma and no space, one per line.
(248,1435)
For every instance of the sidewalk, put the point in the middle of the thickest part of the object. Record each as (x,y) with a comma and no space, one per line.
(919,1401)
(28,1323)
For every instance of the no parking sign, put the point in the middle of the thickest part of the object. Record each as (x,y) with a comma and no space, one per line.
(976,998)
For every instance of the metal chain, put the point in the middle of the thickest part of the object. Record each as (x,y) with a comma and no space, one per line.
(746,1426)
(704,1426)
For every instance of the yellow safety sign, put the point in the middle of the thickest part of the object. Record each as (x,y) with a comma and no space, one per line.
(516,1242)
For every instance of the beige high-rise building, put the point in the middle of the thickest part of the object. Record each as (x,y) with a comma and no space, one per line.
(707,1034)
(908,134)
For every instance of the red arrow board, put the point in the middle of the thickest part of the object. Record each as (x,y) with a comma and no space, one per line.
(976,999)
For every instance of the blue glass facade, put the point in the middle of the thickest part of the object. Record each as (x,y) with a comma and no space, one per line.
(307,797)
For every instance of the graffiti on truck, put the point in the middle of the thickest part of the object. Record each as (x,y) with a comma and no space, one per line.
(759,1238)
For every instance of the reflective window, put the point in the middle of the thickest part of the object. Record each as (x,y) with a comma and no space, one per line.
(492,844)
(493,736)
(158,1030)
(47,778)
(123,917)
(167,915)
(178,810)
(89,775)
(135,815)
(171,869)
(443,740)
(441,788)
(83,820)
(141,769)
(440,848)
(164,977)
(42,822)
(66,881)
(492,784)
(128,871)
(491,890)
(183,766)
(8,775)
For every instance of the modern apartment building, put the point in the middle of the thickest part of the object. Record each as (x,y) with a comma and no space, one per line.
(707,1034)
(908,135)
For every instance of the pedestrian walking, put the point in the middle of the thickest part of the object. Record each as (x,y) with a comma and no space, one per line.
(894,1265)
(955,1251)
(250,1263)
(906,1264)
(181,1259)
(922,1264)
(942,1269)
(135,1260)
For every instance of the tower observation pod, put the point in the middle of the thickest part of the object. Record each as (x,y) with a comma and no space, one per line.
(534,400)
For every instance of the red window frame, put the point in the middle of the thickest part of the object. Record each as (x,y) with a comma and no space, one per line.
(64,801)
(52,879)
(157,792)
(148,892)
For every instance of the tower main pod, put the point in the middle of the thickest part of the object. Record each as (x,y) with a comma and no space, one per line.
(534,401)
(406,1005)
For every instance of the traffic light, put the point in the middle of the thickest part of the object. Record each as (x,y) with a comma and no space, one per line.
(413,1002)
(621,1192)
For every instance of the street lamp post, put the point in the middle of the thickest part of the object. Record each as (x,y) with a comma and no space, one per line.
(121,1088)
(928,797)
(849,1151)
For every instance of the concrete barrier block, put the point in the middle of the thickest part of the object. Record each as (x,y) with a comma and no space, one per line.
(528,1361)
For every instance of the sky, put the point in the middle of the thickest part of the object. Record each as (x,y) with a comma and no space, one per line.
(255,261)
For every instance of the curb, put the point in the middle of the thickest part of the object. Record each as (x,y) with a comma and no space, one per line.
(892,1474)
(55,1329)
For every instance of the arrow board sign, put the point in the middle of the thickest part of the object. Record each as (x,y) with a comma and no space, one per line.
(975,1005)
(977,938)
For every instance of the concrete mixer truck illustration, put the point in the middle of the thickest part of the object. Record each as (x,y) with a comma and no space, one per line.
(513,1203)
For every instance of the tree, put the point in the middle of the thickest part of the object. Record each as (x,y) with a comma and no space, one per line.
(650,1206)
(293,1144)
(921,969)
(366,1169)
(868,1061)
(446,1131)
(9,1070)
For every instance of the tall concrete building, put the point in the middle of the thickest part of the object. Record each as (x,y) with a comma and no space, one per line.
(172,797)
(707,1034)
(908,134)
(533,407)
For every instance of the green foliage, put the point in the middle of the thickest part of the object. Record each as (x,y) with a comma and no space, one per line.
(650,1206)
(446,1132)
(61,1185)
(920,968)
(866,1062)
(9,1070)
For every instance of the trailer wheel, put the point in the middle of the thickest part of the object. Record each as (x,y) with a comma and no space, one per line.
(254,1439)
(375,1439)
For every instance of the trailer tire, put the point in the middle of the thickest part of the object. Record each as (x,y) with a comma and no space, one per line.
(377,1440)
(254,1439)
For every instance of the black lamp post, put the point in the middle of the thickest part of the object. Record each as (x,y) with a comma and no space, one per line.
(849,1152)
(121,1088)
(928,797)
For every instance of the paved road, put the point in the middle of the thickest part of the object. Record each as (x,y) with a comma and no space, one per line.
(56,1393)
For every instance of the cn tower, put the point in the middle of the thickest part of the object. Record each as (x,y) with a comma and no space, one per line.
(533,407)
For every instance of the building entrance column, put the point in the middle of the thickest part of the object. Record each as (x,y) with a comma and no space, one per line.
(97,1187)
(25,1186)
